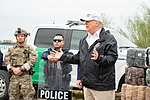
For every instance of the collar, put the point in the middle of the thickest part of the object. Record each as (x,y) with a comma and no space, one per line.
(16,45)
(98,31)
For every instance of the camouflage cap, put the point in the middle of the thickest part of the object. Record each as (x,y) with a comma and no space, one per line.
(21,31)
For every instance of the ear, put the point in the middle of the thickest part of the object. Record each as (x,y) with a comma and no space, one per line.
(96,23)
(63,42)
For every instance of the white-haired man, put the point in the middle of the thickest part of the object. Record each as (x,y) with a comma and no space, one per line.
(96,58)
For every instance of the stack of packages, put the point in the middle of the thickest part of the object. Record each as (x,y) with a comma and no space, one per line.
(137,75)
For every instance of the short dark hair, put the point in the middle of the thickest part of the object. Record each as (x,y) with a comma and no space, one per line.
(59,35)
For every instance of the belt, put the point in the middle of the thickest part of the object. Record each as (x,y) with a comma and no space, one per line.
(17,65)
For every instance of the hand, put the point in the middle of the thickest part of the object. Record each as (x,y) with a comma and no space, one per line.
(94,55)
(51,58)
(79,84)
(56,54)
(16,71)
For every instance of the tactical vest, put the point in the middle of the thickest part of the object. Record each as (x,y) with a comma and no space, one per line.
(19,55)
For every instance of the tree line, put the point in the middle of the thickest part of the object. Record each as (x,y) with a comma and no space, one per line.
(6,42)
(138,28)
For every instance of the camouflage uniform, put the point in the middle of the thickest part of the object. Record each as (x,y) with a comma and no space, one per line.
(19,56)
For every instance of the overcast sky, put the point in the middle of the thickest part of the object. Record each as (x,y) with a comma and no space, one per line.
(29,13)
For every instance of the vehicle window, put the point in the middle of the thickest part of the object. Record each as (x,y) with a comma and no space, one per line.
(76,36)
(45,36)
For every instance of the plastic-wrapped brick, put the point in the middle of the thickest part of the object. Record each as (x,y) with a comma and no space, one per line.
(136,57)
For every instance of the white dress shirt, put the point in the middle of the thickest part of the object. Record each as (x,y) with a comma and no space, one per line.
(92,38)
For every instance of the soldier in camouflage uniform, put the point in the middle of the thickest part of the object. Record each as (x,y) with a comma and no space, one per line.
(19,60)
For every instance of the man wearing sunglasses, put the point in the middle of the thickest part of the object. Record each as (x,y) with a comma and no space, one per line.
(57,73)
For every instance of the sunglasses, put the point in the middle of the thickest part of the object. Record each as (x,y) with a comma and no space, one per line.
(57,40)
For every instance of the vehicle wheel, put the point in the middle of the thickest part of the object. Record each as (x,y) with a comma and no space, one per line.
(122,81)
(4,83)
